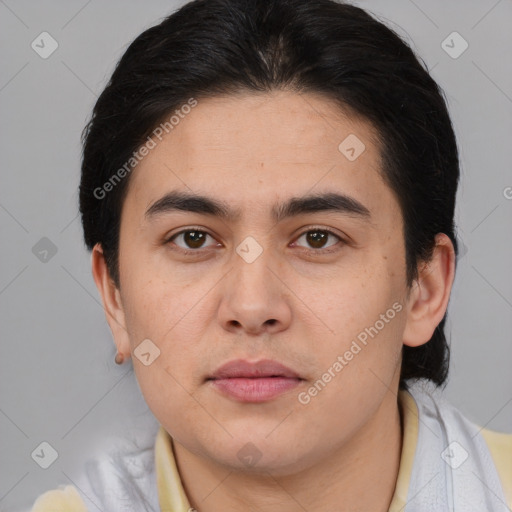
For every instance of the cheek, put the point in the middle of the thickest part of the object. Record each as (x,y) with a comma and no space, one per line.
(358,366)
(357,298)
(155,306)
(365,314)
(169,397)
(174,318)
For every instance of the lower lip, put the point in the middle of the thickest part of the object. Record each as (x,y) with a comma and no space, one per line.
(255,389)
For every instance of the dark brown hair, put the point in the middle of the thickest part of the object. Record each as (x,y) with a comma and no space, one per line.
(214,47)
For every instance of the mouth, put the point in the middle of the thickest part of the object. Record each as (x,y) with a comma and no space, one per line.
(260,381)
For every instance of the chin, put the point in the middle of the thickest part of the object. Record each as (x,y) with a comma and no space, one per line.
(261,455)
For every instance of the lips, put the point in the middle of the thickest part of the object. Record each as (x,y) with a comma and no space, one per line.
(260,381)
(244,369)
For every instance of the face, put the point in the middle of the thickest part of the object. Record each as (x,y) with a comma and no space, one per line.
(302,264)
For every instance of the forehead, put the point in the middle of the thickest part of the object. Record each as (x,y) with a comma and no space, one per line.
(247,148)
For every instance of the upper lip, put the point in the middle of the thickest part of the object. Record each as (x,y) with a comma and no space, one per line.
(240,368)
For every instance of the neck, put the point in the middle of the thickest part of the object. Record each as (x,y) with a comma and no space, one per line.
(369,461)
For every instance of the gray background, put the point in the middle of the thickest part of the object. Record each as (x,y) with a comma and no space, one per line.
(58,382)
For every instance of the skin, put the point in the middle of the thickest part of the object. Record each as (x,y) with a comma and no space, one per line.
(204,309)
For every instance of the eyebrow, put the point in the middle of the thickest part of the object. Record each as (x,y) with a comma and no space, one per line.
(189,202)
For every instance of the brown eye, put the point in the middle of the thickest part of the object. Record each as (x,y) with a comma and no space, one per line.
(318,238)
(194,239)
(190,239)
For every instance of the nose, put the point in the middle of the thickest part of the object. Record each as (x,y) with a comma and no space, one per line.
(254,299)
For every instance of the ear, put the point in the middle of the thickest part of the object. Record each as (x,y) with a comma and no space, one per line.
(111,299)
(430,293)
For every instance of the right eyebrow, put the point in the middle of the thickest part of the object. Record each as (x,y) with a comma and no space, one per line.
(185,201)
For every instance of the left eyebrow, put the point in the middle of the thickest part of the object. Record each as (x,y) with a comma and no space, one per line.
(330,201)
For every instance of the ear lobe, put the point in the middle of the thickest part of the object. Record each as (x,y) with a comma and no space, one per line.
(430,294)
(111,298)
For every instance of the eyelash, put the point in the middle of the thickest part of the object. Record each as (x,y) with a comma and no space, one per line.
(328,250)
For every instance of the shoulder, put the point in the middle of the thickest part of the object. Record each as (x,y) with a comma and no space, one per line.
(64,499)
(124,472)
(500,446)
(468,450)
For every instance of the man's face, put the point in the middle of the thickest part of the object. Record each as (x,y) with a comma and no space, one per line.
(207,290)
